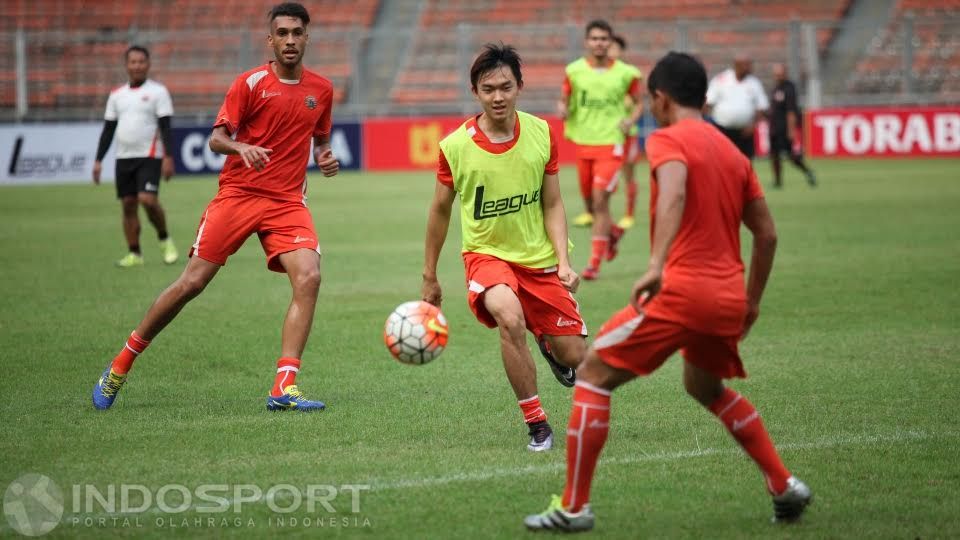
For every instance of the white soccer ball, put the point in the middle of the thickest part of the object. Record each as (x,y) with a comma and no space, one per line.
(415,333)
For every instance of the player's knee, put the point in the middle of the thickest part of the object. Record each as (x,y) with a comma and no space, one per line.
(308,280)
(702,390)
(191,285)
(511,324)
(129,206)
(572,353)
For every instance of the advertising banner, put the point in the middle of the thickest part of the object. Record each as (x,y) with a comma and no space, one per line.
(51,153)
(884,132)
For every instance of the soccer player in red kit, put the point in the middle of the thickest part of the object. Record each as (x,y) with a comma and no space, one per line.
(691,297)
(273,112)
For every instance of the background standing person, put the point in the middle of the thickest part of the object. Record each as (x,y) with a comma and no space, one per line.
(785,128)
(139,114)
(737,101)
(592,104)
(632,143)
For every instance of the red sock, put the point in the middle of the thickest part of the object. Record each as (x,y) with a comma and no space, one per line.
(743,422)
(287,369)
(123,361)
(631,197)
(586,435)
(598,251)
(532,411)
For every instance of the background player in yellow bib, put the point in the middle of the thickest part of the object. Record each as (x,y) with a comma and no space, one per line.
(631,147)
(503,164)
(592,104)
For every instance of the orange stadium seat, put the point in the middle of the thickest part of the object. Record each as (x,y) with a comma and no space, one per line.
(198,46)
(546,51)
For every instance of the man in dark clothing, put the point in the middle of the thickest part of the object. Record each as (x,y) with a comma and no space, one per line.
(785,126)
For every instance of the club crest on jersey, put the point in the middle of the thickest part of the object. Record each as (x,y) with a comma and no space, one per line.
(310,102)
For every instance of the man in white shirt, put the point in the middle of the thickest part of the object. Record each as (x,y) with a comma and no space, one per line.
(139,113)
(737,100)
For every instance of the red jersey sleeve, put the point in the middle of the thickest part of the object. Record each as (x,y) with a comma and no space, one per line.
(661,148)
(322,129)
(553,165)
(634,88)
(444,174)
(234,105)
(752,189)
(566,89)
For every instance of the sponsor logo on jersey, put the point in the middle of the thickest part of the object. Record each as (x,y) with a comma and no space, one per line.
(310,102)
(500,207)
(264,94)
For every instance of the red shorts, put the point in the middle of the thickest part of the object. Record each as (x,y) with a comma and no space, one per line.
(599,166)
(228,221)
(548,307)
(640,344)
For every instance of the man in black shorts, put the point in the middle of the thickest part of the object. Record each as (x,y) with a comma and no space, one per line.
(785,127)
(139,113)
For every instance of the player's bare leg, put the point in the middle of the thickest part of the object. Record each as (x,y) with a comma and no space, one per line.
(165,308)
(777,165)
(790,495)
(504,306)
(131,232)
(194,279)
(303,270)
(586,436)
(151,205)
(629,173)
(605,234)
(563,354)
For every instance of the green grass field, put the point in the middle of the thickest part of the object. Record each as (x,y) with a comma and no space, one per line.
(853,364)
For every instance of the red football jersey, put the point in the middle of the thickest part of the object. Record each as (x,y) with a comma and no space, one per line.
(703,287)
(264,110)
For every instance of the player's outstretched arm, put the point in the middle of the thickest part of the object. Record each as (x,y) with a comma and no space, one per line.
(671,198)
(253,156)
(324,157)
(555,222)
(757,218)
(438,221)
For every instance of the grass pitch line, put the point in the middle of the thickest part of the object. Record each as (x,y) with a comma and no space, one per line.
(492,474)
(643,457)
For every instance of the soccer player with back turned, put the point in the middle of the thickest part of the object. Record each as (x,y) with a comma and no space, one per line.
(691,298)
(272,111)
(592,105)
(503,163)
(139,113)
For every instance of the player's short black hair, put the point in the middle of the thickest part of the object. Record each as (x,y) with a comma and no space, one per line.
(680,76)
(599,24)
(290,9)
(493,56)
(136,48)
(620,41)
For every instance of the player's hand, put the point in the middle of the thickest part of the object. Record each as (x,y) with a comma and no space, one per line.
(166,168)
(328,163)
(747,131)
(97,169)
(431,292)
(753,312)
(562,110)
(625,125)
(645,288)
(254,156)
(568,278)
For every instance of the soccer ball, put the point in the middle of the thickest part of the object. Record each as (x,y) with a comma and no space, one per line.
(416,332)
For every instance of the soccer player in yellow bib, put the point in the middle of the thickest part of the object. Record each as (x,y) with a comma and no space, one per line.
(592,104)
(632,144)
(503,164)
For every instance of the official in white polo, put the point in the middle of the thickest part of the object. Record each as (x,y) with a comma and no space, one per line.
(139,114)
(737,101)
